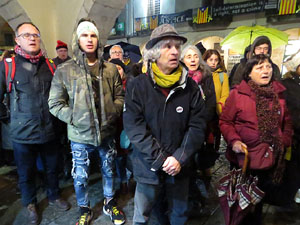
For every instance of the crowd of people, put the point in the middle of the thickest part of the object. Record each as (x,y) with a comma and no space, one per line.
(160,120)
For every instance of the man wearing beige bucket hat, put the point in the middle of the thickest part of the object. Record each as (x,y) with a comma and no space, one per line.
(164,120)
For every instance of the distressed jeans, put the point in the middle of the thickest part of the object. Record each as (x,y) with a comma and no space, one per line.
(80,170)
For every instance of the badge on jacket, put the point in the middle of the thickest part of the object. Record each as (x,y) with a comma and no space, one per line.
(179,109)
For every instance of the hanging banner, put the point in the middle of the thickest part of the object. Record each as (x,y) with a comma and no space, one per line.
(287,7)
(203,15)
(151,22)
(180,17)
(239,8)
(138,24)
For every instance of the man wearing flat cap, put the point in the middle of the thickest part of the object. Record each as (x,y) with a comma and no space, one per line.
(164,120)
(62,53)
(86,93)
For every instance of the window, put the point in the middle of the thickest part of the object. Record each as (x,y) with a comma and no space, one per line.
(153,7)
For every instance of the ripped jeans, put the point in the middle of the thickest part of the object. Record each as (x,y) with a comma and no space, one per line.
(80,170)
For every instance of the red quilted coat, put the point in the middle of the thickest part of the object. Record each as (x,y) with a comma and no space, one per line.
(239,121)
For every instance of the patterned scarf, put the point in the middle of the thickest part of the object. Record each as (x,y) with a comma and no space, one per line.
(267,126)
(32,59)
(196,75)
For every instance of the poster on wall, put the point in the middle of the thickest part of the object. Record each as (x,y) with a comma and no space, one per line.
(232,60)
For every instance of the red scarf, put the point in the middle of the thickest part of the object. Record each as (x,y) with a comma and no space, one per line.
(32,59)
(269,123)
(195,75)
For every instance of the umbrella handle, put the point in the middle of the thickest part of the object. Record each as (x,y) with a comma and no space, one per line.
(245,160)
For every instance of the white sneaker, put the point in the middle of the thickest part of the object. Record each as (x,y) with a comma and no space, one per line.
(297,196)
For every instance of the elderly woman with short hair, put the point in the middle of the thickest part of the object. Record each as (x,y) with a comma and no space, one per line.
(256,117)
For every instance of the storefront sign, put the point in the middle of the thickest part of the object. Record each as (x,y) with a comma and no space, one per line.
(232,60)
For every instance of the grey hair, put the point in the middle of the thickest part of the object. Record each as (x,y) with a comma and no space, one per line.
(205,69)
(151,55)
(192,47)
(110,50)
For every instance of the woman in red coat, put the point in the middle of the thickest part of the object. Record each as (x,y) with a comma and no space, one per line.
(256,115)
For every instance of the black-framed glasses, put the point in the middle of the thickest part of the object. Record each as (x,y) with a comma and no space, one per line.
(28,36)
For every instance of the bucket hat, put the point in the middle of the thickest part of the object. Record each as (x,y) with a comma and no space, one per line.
(161,32)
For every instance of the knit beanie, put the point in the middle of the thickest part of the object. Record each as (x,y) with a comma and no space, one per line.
(61,44)
(86,26)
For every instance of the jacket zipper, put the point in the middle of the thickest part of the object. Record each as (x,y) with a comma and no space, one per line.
(86,73)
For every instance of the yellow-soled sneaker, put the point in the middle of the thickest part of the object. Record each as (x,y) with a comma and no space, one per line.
(85,218)
(110,209)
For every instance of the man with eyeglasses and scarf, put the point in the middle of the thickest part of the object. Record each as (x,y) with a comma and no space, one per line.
(32,128)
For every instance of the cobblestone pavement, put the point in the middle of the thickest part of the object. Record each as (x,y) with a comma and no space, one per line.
(11,211)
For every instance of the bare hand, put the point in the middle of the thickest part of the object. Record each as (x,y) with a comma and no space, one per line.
(171,166)
(238,147)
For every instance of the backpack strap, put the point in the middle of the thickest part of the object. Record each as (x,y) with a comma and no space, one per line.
(51,65)
(10,70)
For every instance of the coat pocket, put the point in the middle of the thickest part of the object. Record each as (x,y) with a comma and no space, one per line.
(261,157)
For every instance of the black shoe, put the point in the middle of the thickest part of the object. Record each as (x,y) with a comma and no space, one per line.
(110,209)
(86,216)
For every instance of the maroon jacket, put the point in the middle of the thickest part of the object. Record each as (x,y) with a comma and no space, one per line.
(239,121)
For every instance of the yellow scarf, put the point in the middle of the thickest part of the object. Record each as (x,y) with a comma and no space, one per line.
(164,80)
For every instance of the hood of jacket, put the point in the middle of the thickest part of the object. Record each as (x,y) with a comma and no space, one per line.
(259,41)
(79,56)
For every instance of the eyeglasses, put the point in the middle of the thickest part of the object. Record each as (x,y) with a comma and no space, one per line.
(27,36)
(261,48)
(116,52)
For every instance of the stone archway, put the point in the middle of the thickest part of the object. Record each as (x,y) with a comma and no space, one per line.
(13,13)
(56,19)
(104,13)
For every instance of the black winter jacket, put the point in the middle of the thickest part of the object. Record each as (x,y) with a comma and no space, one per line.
(292,93)
(31,121)
(158,125)
(207,84)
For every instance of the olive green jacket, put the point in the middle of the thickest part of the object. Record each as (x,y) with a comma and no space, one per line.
(71,98)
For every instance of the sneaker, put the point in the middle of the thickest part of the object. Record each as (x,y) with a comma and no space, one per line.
(85,218)
(297,196)
(110,209)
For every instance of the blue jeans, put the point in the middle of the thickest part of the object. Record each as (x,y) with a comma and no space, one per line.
(148,197)
(80,170)
(26,157)
(121,168)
